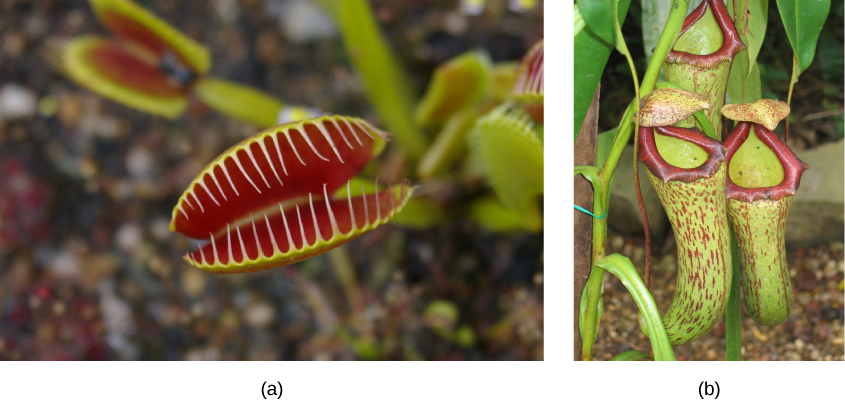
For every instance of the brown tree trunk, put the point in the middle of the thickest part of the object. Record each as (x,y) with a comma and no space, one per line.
(585,155)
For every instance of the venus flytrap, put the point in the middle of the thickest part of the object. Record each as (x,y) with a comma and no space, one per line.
(151,66)
(265,202)
(512,158)
(294,191)
(528,90)
(452,100)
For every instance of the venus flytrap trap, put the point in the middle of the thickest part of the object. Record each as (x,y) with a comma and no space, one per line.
(512,157)
(452,99)
(528,90)
(151,66)
(276,185)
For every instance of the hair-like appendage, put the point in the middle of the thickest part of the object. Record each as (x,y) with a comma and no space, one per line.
(687,66)
(763,176)
(694,200)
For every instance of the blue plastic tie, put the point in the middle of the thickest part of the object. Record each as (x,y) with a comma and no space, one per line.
(588,212)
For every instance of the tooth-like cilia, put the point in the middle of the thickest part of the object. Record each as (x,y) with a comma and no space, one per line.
(303,212)
(529,82)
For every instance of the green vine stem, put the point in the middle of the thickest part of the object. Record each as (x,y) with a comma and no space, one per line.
(594,283)
(623,48)
(796,71)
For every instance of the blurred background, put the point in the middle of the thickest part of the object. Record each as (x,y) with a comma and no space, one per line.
(814,228)
(90,271)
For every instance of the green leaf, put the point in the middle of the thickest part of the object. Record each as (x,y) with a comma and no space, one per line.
(582,311)
(704,123)
(743,89)
(604,143)
(622,268)
(803,21)
(750,18)
(654,16)
(617,28)
(632,355)
(753,15)
(596,14)
(591,53)
(579,21)
(591,173)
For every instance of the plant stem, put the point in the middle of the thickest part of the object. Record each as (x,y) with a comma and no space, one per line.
(667,40)
(594,283)
(796,71)
(384,80)
(733,319)
(344,270)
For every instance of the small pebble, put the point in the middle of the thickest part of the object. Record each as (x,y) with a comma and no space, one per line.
(617,242)
(17,101)
(128,237)
(259,315)
(759,335)
(304,21)
(193,281)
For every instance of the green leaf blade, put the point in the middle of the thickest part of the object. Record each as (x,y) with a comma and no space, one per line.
(591,54)
(596,14)
(632,355)
(803,21)
(654,16)
(622,268)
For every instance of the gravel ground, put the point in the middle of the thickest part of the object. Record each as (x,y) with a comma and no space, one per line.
(91,271)
(814,332)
